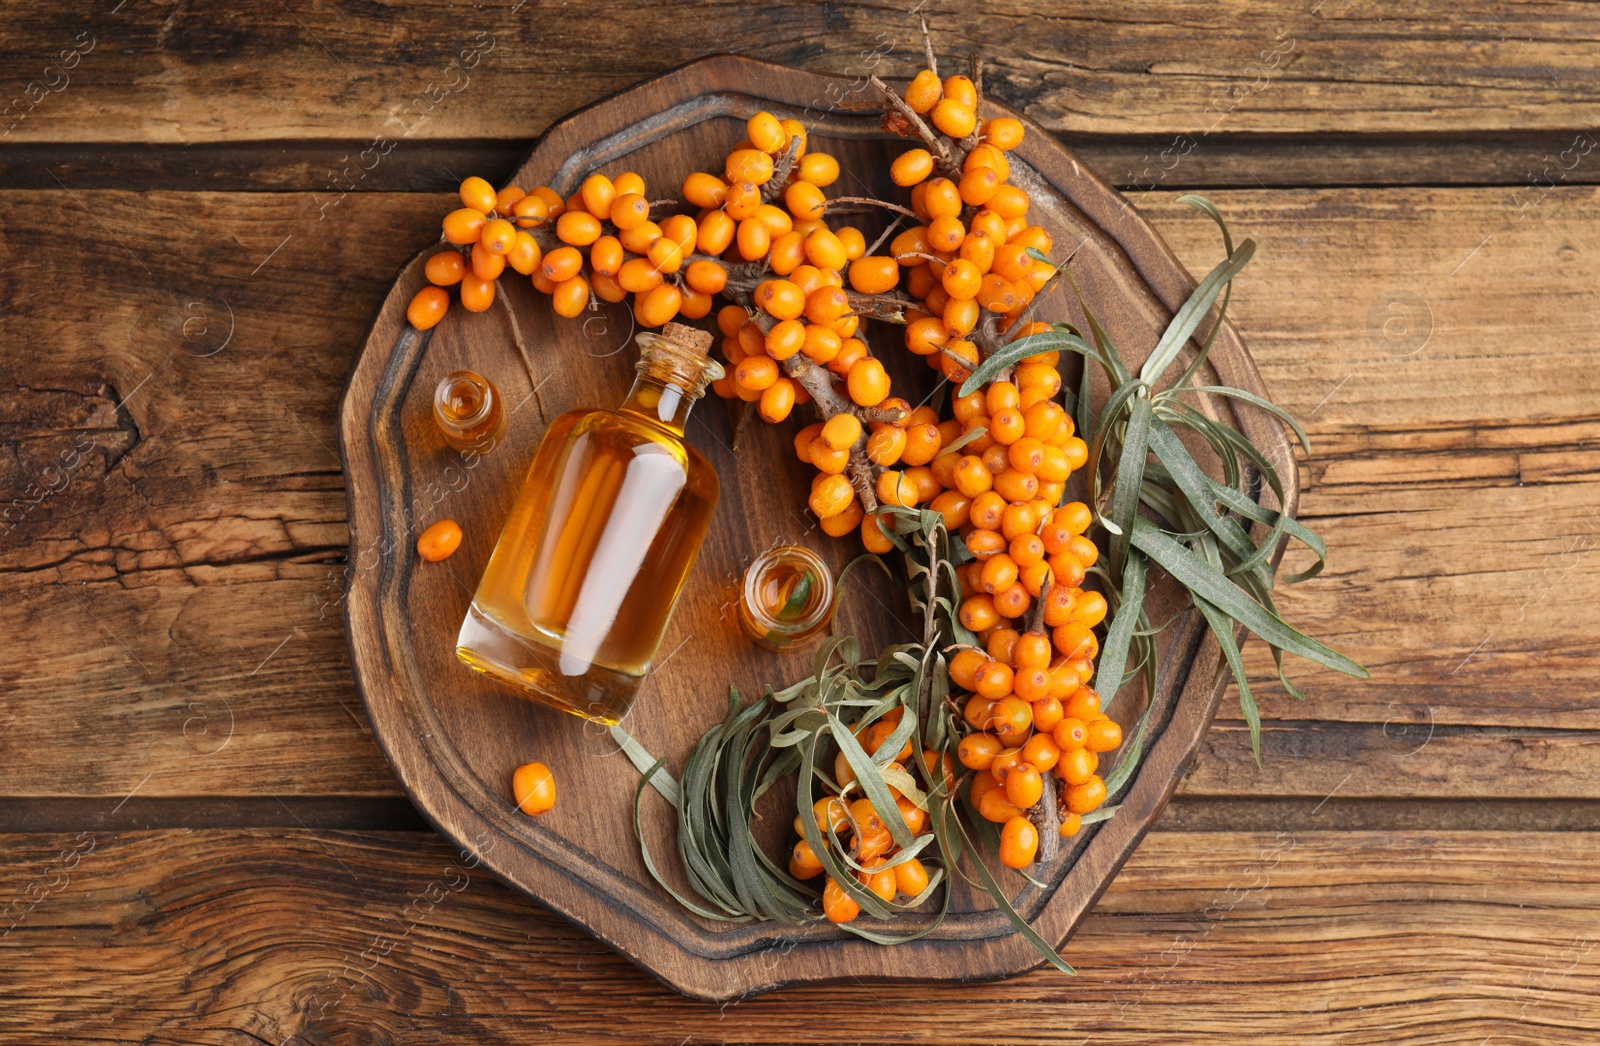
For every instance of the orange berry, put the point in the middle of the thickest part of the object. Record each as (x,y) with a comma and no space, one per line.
(832,496)
(477,194)
(803,861)
(838,906)
(1082,798)
(486,266)
(525,256)
(561,264)
(1041,750)
(895,488)
(911,167)
(805,201)
(445,269)
(954,118)
(428,307)
(825,250)
(751,165)
(819,169)
(1019,842)
(924,91)
(1104,735)
(533,787)
(658,305)
(530,211)
(465,225)
(477,294)
(875,530)
(867,382)
(1023,785)
(575,227)
(636,276)
(978,613)
(569,297)
(910,877)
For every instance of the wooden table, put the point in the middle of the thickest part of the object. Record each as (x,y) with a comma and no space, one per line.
(201,839)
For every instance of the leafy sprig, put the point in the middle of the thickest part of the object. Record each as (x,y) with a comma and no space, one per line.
(1157,504)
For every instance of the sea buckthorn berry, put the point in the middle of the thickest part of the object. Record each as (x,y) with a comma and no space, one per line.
(999,573)
(597,194)
(961,279)
(922,444)
(1006,427)
(1035,237)
(477,194)
(785,338)
(628,182)
(1067,569)
(525,256)
(478,294)
(972,478)
(1070,734)
(781,298)
(953,506)
(1076,764)
(716,232)
(639,238)
(629,211)
(1085,797)
(1032,684)
(925,335)
(802,441)
(805,201)
(563,263)
(1077,452)
(705,190)
(665,255)
(1013,602)
(850,350)
(1084,704)
(911,168)
(1002,643)
(819,169)
(977,186)
(464,226)
(877,274)
(1075,516)
(750,165)
(777,400)
(765,132)
(757,373)
(1017,520)
(954,118)
(994,455)
(821,344)
(570,297)
(803,861)
(994,806)
(868,383)
(838,906)
(696,304)
(1009,202)
(1090,609)
(992,680)
(507,198)
(855,244)
(978,613)
(941,198)
(1032,650)
(946,234)
(531,211)
(1041,752)
(841,431)
(533,787)
(1053,465)
(1011,715)
(1023,784)
(964,669)
(1004,762)
(707,277)
(775,219)
(487,266)
(988,510)
(1074,640)
(984,545)
(1016,486)
(885,446)
(742,200)
(826,304)
(795,129)
(428,306)
(1019,842)
(910,877)
(875,530)
(753,239)
(825,251)
(879,879)
(1104,735)
(1047,713)
(575,227)
(637,275)
(924,91)
(894,488)
(445,269)
(1003,132)
(1026,454)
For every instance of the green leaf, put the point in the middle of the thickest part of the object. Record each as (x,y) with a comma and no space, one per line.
(1119,637)
(1222,628)
(645,763)
(1194,310)
(1130,475)
(1203,582)
(1197,487)
(798,598)
(1019,350)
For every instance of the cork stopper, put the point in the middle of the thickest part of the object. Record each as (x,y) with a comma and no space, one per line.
(679,356)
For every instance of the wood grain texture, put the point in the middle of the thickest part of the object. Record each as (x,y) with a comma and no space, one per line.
(197,550)
(225,938)
(165,73)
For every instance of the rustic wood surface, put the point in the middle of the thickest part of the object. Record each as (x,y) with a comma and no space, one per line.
(1424,298)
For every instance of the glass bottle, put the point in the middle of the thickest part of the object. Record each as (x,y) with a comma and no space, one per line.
(468,410)
(787,597)
(574,601)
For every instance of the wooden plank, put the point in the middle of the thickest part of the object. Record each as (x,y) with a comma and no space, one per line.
(1179,70)
(1304,937)
(1135,163)
(221,513)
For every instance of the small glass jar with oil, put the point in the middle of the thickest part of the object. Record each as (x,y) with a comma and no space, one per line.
(787,599)
(468,411)
(577,594)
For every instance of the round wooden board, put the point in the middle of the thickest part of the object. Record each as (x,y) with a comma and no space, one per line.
(454,738)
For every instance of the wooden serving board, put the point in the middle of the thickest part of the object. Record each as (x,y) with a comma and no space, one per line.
(454,738)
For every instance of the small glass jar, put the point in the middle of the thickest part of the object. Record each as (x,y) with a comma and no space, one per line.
(468,411)
(788,597)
